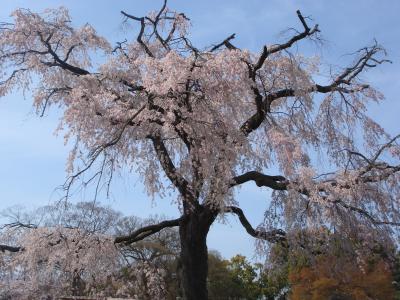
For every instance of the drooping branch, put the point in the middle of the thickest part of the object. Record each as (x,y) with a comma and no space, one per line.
(53,92)
(364,213)
(273,236)
(130,122)
(146,231)
(12,76)
(101,149)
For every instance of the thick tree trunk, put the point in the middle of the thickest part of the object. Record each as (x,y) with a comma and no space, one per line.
(194,255)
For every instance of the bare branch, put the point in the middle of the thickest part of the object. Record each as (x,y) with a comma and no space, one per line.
(161,11)
(339,84)
(141,32)
(273,182)
(267,51)
(57,60)
(303,21)
(95,153)
(146,231)
(273,236)
(18,224)
(51,93)
(225,43)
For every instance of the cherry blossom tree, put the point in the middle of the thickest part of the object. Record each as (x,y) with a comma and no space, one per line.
(51,256)
(69,250)
(206,121)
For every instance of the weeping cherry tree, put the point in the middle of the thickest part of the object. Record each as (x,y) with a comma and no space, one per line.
(205,121)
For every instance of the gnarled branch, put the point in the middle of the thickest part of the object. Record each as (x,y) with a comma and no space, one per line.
(277,48)
(225,43)
(141,32)
(146,231)
(273,236)
(273,182)
(282,184)
(342,84)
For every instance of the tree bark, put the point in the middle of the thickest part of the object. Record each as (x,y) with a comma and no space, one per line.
(194,254)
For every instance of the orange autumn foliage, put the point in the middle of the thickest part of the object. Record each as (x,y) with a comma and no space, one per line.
(330,280)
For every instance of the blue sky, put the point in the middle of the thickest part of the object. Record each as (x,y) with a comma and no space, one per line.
(32,159)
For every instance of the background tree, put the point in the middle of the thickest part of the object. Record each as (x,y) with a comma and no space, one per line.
(237,278)
(60,253)
(332,280)
(219,281)
(335,267)
(68,249)
(156,255)
(210,120)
